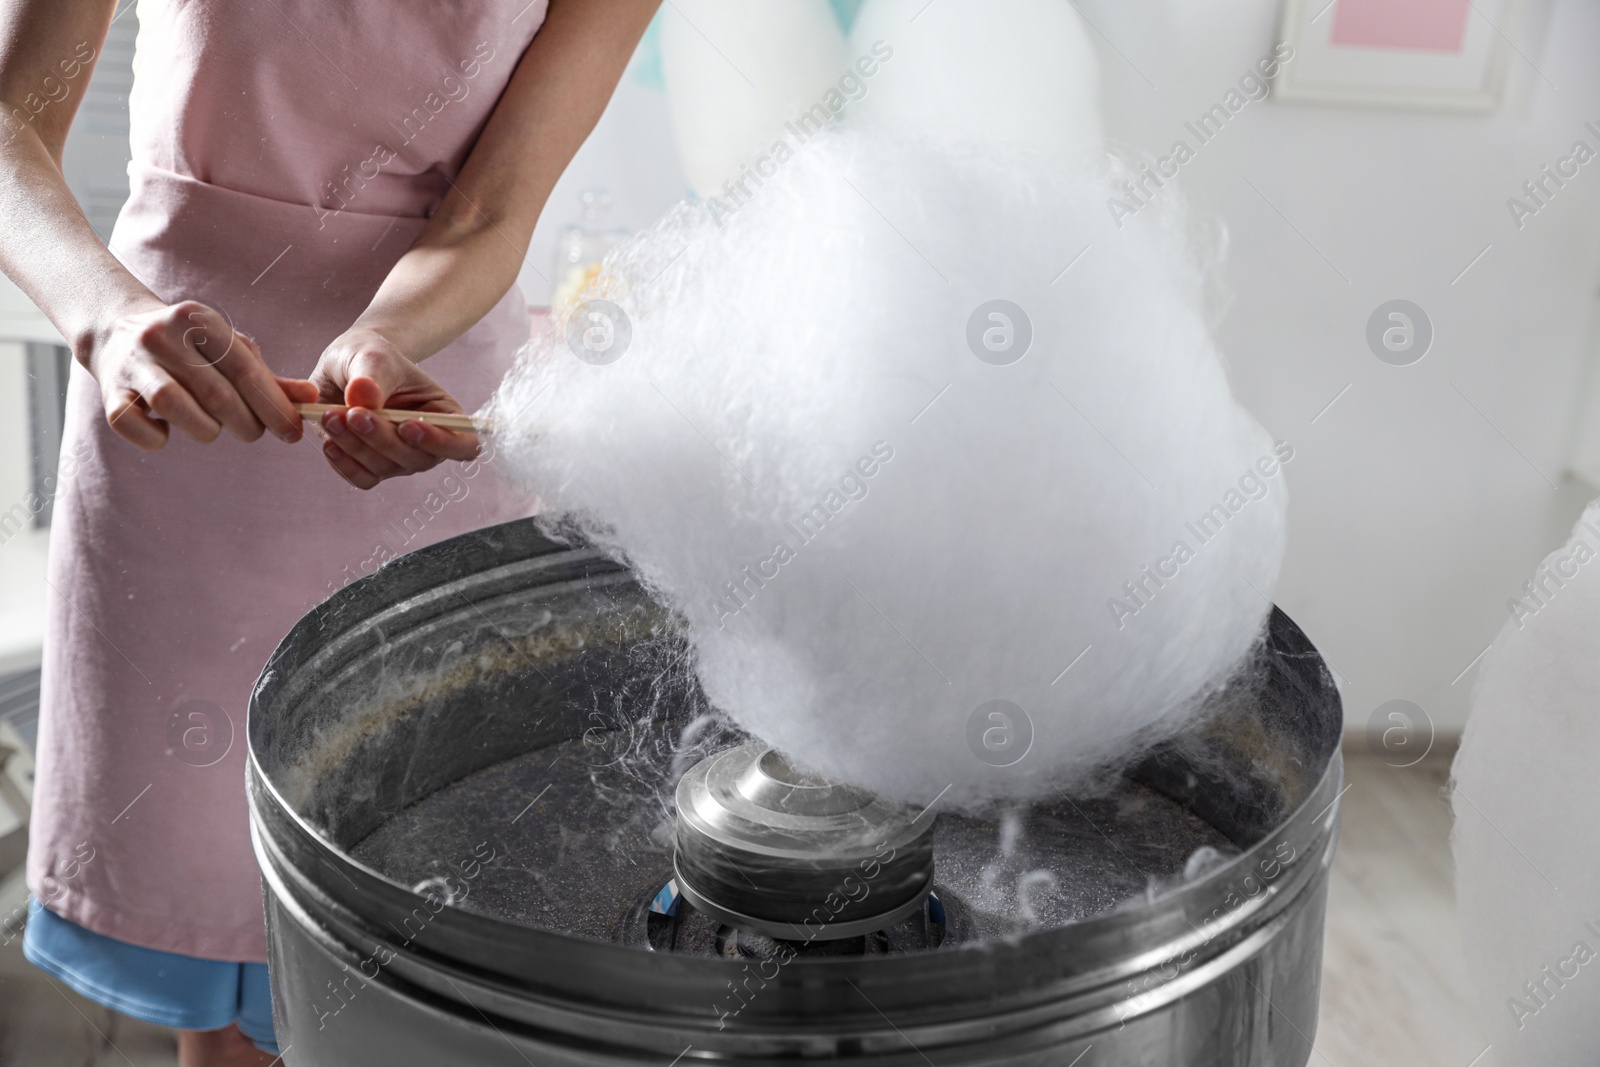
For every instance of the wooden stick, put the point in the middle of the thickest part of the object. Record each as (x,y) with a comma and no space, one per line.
(464,423)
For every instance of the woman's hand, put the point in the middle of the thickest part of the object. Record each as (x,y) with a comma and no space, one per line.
(365,371)
(185,365)
(473,244)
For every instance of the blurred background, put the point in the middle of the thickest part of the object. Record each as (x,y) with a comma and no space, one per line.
(1431,475)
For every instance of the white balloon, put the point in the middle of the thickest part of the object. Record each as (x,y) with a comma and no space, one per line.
(1018,73)
(736,71)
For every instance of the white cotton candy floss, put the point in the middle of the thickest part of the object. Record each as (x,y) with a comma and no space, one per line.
(1524,790)
(940,467)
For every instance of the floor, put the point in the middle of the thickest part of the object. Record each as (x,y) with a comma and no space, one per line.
(1393,991)
(1394,979)
(45,1024)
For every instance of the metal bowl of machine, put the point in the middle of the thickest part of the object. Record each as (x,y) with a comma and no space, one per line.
(497,826)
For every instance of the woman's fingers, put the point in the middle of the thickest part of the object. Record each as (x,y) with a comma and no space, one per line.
(261,390)
(126,414)
(220,400)
(364,371)
(368,435)
(220,366)
(298,390)
(437,441)
(184,365)
(166,399)
(365,391)
(350,470)
(356,446)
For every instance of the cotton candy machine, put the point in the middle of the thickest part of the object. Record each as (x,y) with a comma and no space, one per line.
(496,827)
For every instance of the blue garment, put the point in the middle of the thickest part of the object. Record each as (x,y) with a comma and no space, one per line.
(164,988)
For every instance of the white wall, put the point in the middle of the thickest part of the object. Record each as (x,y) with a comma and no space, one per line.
(22,554)
(1413,517)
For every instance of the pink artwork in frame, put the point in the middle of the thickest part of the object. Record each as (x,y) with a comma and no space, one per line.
(1415,25)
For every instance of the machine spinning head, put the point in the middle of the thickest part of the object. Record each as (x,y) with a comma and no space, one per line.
(768,849)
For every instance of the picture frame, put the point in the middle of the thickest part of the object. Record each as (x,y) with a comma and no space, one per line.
(1424,55)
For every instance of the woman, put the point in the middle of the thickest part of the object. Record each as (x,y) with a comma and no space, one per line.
(353,187)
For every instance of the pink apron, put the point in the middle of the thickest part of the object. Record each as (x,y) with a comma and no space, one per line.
(285,154)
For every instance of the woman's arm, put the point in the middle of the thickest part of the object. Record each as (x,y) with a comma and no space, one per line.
(468,255)
(156,364)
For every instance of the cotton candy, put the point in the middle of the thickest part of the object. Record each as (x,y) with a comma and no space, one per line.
(944,548)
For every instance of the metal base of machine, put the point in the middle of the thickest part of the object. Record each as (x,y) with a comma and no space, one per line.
(1253,1006)
(940,920)
(502,649)
(832,931)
